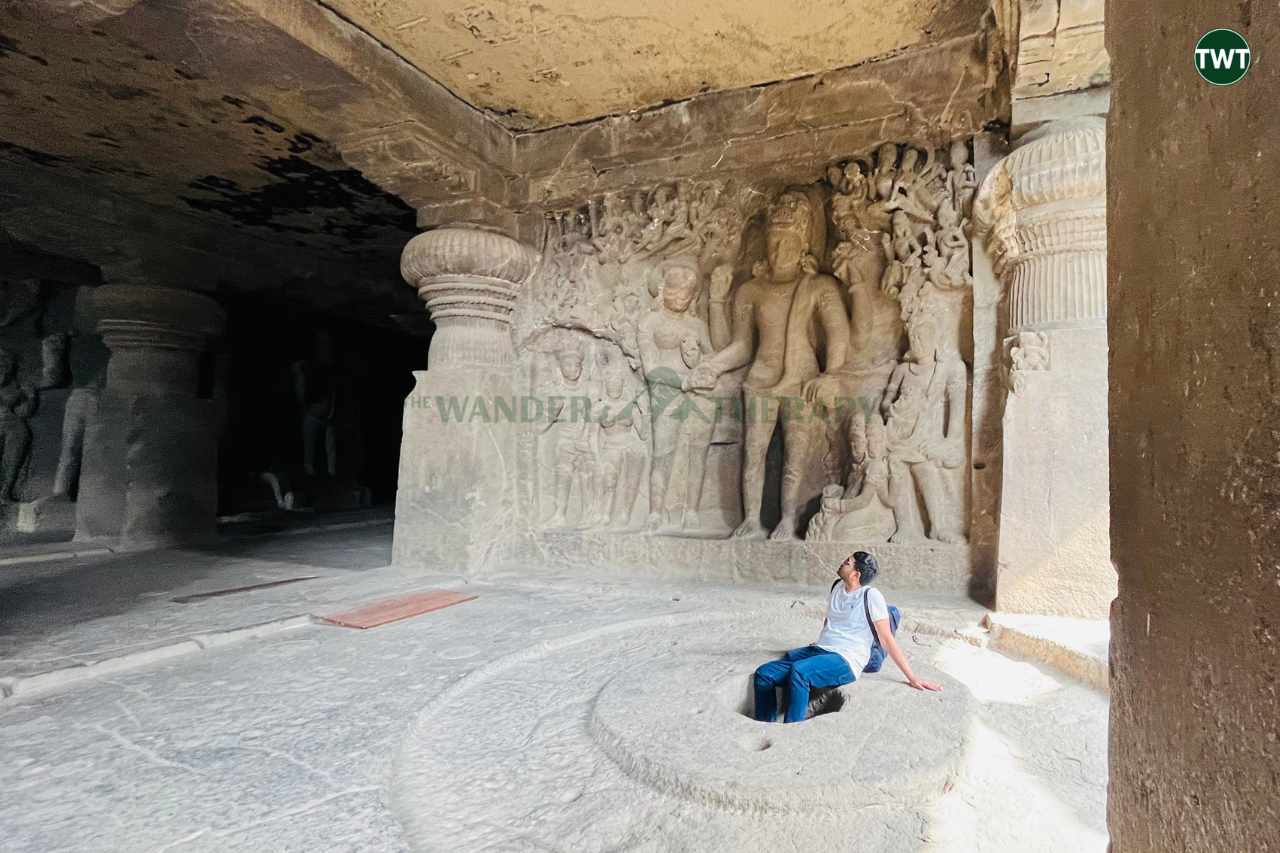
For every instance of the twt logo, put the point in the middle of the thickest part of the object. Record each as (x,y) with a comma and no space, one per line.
(1222,57)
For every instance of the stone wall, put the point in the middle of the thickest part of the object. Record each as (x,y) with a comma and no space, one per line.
(1195,361)
(706,359)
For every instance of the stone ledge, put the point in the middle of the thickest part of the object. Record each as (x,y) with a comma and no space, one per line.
(934,567)
(1076,647)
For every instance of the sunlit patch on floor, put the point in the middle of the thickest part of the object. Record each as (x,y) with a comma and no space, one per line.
(991,677)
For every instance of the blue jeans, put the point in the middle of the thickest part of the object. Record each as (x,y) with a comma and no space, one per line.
(800,669)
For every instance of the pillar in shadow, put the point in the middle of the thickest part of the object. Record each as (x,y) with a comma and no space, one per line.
(149,475)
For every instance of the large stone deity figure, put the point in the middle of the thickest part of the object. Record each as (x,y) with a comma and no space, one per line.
(776,315)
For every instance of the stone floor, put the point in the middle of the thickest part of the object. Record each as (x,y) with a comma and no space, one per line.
(553,712)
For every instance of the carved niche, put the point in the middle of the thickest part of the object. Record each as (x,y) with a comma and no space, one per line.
(671,335)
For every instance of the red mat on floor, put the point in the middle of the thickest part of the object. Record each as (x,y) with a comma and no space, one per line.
(394,609)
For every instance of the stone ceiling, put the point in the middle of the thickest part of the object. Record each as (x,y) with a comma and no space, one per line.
(135,117)
(266,141)
(535,67)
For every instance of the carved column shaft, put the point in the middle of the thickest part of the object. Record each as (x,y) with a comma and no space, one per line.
(1045,208)
(457,456)
(149,473)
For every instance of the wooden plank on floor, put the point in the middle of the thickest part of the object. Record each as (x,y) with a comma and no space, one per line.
(395,609)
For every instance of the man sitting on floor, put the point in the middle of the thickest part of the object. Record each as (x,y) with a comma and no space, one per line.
(845,646)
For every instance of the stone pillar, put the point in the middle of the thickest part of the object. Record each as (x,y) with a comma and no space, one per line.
(149,475)
(456,496)
(1195,434)
(1043,210)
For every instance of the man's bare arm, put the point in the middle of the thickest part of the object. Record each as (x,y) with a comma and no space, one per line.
(890,644)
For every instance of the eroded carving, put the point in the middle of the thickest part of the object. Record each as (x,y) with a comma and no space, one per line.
(1028,353)
(673,342)
(624,438)
(896,429)
(574,434)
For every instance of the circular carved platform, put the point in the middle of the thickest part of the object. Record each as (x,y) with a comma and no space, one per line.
(633,736)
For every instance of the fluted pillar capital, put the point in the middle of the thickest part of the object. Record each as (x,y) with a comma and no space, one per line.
(1043,209)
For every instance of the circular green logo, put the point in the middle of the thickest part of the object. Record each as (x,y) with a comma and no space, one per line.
(1222,57)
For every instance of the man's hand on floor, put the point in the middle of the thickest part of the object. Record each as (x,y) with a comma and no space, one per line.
(921,684)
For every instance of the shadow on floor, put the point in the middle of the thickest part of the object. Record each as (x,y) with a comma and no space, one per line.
(41,599)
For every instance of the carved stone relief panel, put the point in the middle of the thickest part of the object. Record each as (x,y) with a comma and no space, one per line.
(676,334)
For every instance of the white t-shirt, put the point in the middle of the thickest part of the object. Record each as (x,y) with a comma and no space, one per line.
(847,632)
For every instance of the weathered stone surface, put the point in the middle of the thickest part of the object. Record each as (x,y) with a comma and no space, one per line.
(1060,47)
(456,491)
(1194,313)
(642,342)
(989,391)
(536,67)
(797,127)
(1059,66)
(205,70)
(183,108)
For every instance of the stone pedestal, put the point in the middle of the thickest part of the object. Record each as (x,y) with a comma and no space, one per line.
(1044,207)
(457,486)
(149,475)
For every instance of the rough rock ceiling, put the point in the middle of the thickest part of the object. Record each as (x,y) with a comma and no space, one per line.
(129,116)
(307,124)
(535,67)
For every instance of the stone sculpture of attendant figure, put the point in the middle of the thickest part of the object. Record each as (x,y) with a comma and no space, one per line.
(575,435)
(924,409)
(673,341)
(624,437)
(17,402)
